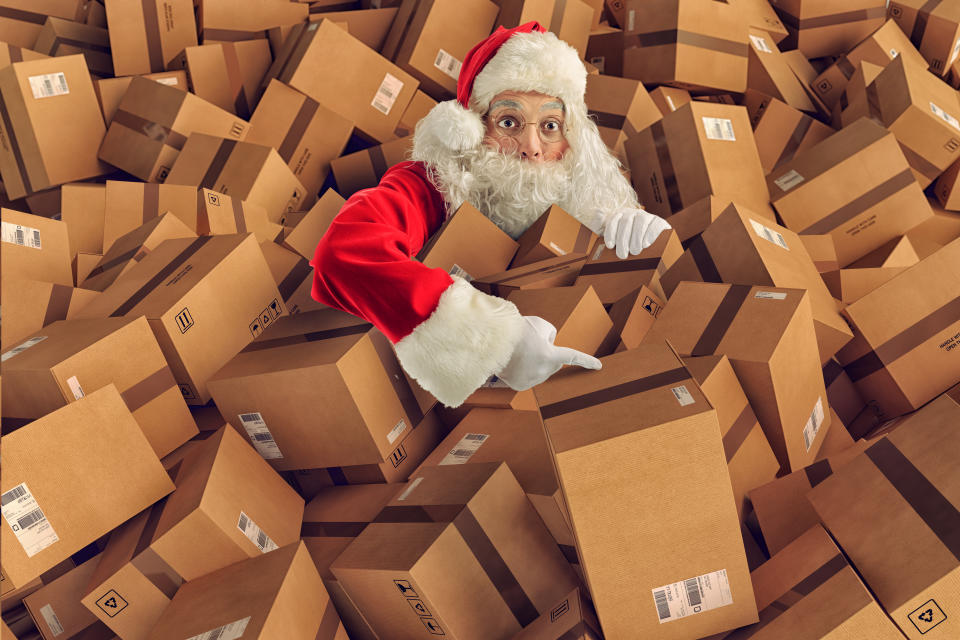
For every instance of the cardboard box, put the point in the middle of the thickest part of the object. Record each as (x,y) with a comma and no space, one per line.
(83,264)
(469,245)
(326,63)
(152,124)
(36,248)
(576,312)
(10,53)
(345,511)
(145,37)
(561,271)
(205,300)
(418,108)
(38,304)
(572,21)
(351,381)
(843,397)
(889,350)
(572,618)
(76,357)
(854,102)
(370,26)
(939,231)
(761,15)
(669,99)
(60,37)
(821,29)
(822,251)
(51,125)
(229,505)
(307,135)
(278,594)
(473,517)
(780,130)
(228,74)
(855,186)
(294,278)
(130,205)
(689,223)
(602,427)
(514,13)
(242,170)
(713,57)
(620,107)
(55,608)
(769,72)
(324,551)
(555,233)
(750,459)
(700,149)
(219,214)
(769,336)
(897,479)
(307,233)
(872,270)
(23,19)
(933,28)
(429,39)
(110,91)
(632,316)
(605,50)
(613,278)
(220,21)
(363,169)
(94,443)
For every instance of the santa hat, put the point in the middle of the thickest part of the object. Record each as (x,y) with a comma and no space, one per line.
(525,58)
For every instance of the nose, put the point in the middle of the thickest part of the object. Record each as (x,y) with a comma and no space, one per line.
(530,147)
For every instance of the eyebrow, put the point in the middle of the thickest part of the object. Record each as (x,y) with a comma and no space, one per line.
(552,105)
(506,103)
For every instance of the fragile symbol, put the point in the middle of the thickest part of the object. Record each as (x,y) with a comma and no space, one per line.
(405,588)
(111,603)
(186,392)
(651,307)
(432,626)
(275,308)
(418,606)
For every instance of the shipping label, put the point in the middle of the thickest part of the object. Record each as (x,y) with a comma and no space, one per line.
(20,235)
(170,82)
(768,234)
(692,596)
(397,430)
(75,387)
(631,19)
(460,272)
(21,348)
(31,527)
(946,117)
(770,295)
(387,94)
(448,64)
(760,44)
(719,128)
(49,85)
(788,180)
(260,436)
(682,395)
(255,534)
(814,422)
(465,449)
(894,53)
(53,622)
(230,631)
(553,245)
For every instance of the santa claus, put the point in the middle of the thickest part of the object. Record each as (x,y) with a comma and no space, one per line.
(515,141)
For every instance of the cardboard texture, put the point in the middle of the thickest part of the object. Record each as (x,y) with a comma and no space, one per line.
(602,427)
(23,19)
(621,107)
(572,21)
(605,50)
(909,563)
(219,20)
(228,74)
(95,443)
(51,125)
(576,312)
(418,108)
(819,28)
(514,13)
(769,72)
(689,223)
(613,278)
(146,36)
(768,334)
(181,287)
(370,26)
(363,169)
(35,248)
(110,91)
(761,15)
(129,205)
(469,245)
(553,272)
(869,272)
(842,395)
(307,233)
(933,29)
(219,214)
(780,130)
(700,149)
(572,618)
(38,304)
(293,276)
(60,37)
(472,517)
(55,608)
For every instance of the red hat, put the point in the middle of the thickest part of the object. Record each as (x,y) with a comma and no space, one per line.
(480,55)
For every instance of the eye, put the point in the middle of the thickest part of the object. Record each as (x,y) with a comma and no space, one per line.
(551,125)
(507,122)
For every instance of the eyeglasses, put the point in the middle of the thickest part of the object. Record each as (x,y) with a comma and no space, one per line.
(512,125)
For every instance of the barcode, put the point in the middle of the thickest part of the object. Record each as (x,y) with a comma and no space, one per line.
(48,86)
(385,91)
(261,539)
(20,238)
(475,436)
(36,238)
(663,610)
(243,522)
(379,106)
(263,437)
(31,519)
(806,439)
(693,592)
(250,417)
(462,453)
(216,634)
(13,494)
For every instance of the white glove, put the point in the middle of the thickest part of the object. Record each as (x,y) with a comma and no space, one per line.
(632,230)
(535,358)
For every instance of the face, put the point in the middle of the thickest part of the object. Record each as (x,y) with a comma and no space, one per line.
(529,124)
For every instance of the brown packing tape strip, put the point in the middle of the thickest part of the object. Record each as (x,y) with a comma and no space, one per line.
(235,78)
(239,220)
(326,8)
(703,259)
(846,67)
(337,476)
(831,372)
(799,133)
(737,433)
(818,472)
(313,336)
(152,130)
(699,40)
(666,166)
(830,20)
(905,341)
(924,498)
(332,529)
(232,35)
(608,120)
(923,17)
(378,161)
(562,263)
(80,44)
(217,164)
(151,201)
(126,256)
(290,283)
(161,275)
(420,513)
(615,392)
(14,146)
(921,164)
(22,16)
(298,128)
(620,266)
(15,54)
(721,320)
(149,388)
(58,304)
(151,27)
(868,200)
(582,243)
(329,623)
(203,217)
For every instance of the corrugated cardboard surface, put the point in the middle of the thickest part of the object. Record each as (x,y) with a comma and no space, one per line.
(45,254)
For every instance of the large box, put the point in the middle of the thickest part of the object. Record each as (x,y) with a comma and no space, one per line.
(908,482)
(561,271)
(205,299)
(613,278)
(572,618)
(370,26)
(55,607)
(50,123)
(38,304)
(768,334)
(769,72)
(621,107)
(610,432)
(219,214)
(93,443)
(22,20)
(228,74)
(780,130)
(219,20)
(110,91)
(575,312)
(61,37)
(933,27)
(146,36)
(35,247)
(869,272)
(821,28)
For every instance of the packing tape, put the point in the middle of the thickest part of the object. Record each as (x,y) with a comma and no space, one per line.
(22,16)
(738,432)
(830,20)
(329,623)
(151,201)
(378,161)
(295,278)
(298,128)
(831,372)
(870,199)
(608,120)
(570,553)
(235,78)
(126,256)
(218,163)
(703,259)
(846,67)
(159,277)
(80,44)
(149,388)
(793,143)
(923,17)
(621,266)
(666,166)
(615,392)
(239,221)
(582,243)
(721,320)
(332,529)
(570,259)
(15,53)
(924,498)
(203,218)
(313,336)
(699,40)
(232,35)
(818,472)
(58,304)
(14,147)
(152,130)
(905,341)
(151,26)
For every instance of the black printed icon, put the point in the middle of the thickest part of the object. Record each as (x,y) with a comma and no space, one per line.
(399,455)
(419,607)
(432,626)
(256,328)
(162,173)
(187,392)
(650,306)
(237,129)
(824,85)
(213,198)
(559,610)
(111,603)
(275,308)
(927,616)
(952,145)
(895,11)
(265,318)
(405,588)
(184,320)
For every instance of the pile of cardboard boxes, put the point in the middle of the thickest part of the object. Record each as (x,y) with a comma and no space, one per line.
(195,449)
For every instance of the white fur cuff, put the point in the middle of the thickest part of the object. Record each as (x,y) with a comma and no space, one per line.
(468,337)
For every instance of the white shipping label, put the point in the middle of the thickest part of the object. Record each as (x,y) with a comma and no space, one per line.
(49,85)
(946,117)
(255,534)
(692,596)
(768,234)
(230,631)
(812,428)
(53,622)
(719,128)
(170,82)
(260,436)
(448,64)
(20,235)
(682,395)
(465,449)
(771,295)
(631,19)
(553,245)
(953,55)
(788,180)
(413,485)
(21,511)
(21,348)
(397,430)
(460,272)
(75,387)
(760,44)
(387,94)
(894,53)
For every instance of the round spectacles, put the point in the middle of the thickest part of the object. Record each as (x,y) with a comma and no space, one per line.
(550,129)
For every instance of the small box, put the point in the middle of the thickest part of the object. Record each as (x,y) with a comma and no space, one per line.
(129,205)
(23,20)
(669,99)
(219,21)
(309,230)
(35,247)
(769,72)
(819,28)
(370,26)
(60,37)
(555,233)
(55,607)
(933,28)
(469,245)
(363,169)
(613,278)
(110,91)
(620,107)
(146,36)
(219,214)
(561,271)
(227,74)
(576,312)
(780,130)
(38,304)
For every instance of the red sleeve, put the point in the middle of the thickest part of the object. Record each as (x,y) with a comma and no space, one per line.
(364,263)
